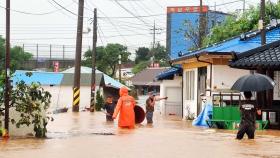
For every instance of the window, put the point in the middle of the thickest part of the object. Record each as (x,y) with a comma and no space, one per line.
(190,85)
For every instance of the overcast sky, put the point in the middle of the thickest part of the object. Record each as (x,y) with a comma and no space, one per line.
(59,26)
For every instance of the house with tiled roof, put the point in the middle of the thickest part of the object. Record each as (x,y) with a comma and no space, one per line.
(264,59)
(206,71)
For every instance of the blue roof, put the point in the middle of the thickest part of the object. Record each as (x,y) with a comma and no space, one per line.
(169,73)
(238,45)
(110,82)
(44,78)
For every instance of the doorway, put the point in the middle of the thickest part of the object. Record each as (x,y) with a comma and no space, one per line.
(201,87)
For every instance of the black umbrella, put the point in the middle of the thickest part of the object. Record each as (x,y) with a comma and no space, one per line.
(253,82)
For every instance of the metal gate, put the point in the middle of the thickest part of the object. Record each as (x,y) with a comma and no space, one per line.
(173,105)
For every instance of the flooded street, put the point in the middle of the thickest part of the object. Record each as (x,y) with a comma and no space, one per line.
(87,135)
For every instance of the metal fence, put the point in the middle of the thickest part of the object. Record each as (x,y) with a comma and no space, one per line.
(51,51)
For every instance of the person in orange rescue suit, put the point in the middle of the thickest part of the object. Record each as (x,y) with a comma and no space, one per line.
(125,107)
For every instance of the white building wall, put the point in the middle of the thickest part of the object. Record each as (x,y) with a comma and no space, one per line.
(175,83)
(190,106)
(224,76)
(63,96)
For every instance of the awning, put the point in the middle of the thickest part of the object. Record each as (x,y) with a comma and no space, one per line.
(169,73)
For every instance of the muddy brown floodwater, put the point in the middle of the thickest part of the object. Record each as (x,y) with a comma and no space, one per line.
(87,135)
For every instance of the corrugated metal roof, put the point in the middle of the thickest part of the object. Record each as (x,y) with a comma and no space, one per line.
(85,79)
(110,82)
(44,78)
(68,78)
(147,76)
(169,73)
(84,70)
(237,45)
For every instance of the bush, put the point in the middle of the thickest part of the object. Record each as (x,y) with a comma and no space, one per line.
(99,101)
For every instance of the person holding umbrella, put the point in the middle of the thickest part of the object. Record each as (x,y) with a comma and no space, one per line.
(248,117)
(252,82)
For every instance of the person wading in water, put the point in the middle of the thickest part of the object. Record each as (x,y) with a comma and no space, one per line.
(125,107)
(248,118)
(150,106)
(109,107)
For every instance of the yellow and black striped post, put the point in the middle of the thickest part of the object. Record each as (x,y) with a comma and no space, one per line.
(76,99)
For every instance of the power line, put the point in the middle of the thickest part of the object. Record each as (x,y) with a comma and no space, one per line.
(30,13)
(130,12)
(222,4)
(114,26)
(55,6)
(158,4)
(64,8)
(136,16)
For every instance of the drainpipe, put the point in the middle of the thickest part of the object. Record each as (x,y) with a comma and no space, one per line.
(182,94)
(211,65)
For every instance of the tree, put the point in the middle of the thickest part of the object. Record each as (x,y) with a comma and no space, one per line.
(142,54)
(161,55)
(31,102)
(192,33)
(246,22)
(107,57)
(18,56)
(144,60)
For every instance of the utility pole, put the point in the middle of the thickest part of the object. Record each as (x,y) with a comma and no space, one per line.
(244,6)
(154,42)
(154,35)
(77,75)
(154,29)
(7,66)
(262,22)
(120,67)
(202,24)
(261,96)
(94,40)
(215,15)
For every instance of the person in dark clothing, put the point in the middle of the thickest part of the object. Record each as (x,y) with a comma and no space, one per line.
(150,106)
(110,108)
(248,117)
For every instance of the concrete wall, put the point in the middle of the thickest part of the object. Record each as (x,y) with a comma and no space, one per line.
(176,83)
(24,130)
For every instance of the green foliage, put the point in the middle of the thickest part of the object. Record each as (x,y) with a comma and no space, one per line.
(31,101)
(161,55)
(142,54)
(18,56)
(246,22)
(140,66)
(107,57)
(99,101)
